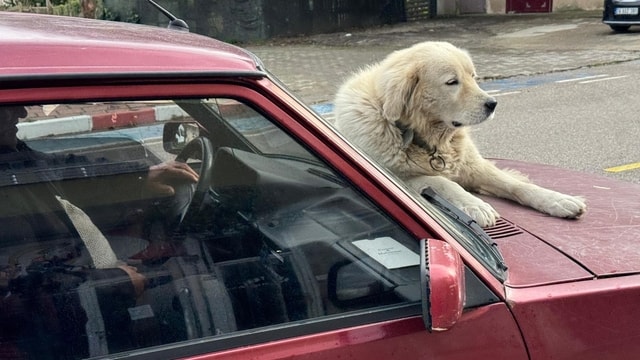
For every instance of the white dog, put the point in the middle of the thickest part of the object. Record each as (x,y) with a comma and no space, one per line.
(411,111)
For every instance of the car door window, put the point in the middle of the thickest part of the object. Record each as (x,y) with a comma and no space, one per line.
(269,235)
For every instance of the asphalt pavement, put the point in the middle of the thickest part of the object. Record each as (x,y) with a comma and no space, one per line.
(502,46)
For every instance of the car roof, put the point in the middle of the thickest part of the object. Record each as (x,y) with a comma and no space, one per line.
(34,44)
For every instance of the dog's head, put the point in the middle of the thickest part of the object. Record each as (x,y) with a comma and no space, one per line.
(433,82)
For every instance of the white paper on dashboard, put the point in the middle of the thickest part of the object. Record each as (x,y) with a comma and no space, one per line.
(388,252)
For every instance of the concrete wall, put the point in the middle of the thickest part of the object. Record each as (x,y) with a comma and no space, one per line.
(563,5)
(250,20)
(496,6)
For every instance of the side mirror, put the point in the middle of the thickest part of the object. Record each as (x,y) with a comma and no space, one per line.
(442,285)
(350,284)
(176,135)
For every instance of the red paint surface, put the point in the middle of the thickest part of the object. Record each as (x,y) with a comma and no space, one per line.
(487,333)
(588,320)
(123,119)
(529,6)
(81,46)
(605,241)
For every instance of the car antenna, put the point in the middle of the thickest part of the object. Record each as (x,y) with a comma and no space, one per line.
(174,22)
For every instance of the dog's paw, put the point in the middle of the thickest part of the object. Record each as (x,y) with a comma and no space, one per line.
(565,206)
(483,214)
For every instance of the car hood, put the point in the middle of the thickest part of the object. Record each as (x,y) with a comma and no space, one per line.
(540,249)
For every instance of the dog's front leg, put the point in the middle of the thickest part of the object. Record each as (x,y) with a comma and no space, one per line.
(514,186)
(478,210)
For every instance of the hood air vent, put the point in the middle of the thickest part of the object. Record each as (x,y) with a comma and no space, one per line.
(502,229)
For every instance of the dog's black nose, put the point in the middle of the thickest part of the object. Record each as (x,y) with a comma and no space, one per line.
(491,104)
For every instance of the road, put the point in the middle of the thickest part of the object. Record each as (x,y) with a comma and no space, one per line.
(584,120)
(566,84)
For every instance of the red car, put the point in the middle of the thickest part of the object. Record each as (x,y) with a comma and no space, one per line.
(291,244)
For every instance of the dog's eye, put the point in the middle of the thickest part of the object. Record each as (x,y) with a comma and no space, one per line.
(452,82)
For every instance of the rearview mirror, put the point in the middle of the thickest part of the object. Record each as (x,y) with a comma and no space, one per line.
(351,284)
(442,284)
(176,135)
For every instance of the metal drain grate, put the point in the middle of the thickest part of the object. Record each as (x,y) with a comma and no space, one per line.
(502,229)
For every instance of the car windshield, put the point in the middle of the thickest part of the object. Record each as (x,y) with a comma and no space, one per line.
(262,134)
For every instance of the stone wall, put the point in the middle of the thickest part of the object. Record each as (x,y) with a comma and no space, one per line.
(255,20)
(250,20)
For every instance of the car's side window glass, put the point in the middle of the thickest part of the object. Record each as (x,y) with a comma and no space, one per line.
(141,223)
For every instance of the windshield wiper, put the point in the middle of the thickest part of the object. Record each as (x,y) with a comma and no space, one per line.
(485,249)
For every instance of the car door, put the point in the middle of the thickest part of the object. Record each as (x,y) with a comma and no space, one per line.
(283,249)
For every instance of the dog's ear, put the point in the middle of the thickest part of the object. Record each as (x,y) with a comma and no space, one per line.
(398,86)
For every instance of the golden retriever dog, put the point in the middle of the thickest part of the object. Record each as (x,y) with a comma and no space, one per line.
(411,112)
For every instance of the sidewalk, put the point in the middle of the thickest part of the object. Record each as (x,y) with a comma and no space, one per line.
(501,45)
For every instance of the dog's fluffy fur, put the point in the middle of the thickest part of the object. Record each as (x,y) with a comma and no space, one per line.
(410,112)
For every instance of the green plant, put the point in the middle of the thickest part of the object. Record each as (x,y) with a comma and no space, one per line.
(130,16)
(68,8)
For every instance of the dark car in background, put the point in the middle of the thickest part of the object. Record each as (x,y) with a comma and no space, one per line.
(620,15)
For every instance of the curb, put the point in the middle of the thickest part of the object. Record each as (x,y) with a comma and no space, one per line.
(86,123)
(122,119)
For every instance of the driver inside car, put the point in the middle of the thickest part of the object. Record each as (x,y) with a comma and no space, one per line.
(159,177)
(26,297)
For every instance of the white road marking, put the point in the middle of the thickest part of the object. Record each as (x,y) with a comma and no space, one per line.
(507,93)
(604,79)
(581,78)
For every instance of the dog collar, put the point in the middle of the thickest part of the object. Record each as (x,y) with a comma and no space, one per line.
(436,161)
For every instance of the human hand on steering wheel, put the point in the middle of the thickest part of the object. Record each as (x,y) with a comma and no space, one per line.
(162,178)
(187,187)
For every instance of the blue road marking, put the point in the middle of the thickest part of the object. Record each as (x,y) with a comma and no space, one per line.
(523,82)
(323,108)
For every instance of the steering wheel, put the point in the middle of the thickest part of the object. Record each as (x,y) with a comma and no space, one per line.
(191,196)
